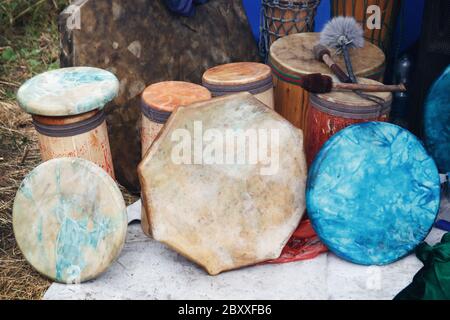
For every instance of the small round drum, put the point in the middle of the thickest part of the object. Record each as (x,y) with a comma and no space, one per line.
(373,193)
(332,112)
(252,77)
(437,122)
(67,108)
(159,100)
(284,17)
(292,57)
(69,220)
(389,10)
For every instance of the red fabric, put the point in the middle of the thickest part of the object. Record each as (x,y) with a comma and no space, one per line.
(303,245)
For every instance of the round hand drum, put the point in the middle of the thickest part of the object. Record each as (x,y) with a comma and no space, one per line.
(373,193)
(69,220)
(437,122)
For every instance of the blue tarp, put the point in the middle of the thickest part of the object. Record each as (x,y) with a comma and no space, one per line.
(183,7)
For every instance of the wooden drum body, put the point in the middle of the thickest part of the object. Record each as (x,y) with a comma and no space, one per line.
(285,17)
(332,112)
(292,57)
(67,108)
(83,136)
(231,78)
(158,102)
(358,9)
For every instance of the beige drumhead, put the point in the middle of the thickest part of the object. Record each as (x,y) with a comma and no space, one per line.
(238,73)
(69,219)
(168,95)
(294,56)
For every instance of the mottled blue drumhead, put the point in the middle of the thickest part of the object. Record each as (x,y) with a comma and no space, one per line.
(69,219)
(373,193)
(437,122)
(68,91)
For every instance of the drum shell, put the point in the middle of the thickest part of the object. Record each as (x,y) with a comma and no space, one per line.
(358,9)
(326,119)
(296,18)
(92,145)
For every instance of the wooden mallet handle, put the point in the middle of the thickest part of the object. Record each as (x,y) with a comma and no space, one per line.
(369,87)
(322,54)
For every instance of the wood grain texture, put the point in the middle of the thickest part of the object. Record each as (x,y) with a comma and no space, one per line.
(142,43)
(92,145)
(358,8)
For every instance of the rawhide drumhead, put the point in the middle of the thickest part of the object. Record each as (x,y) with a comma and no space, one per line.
(69,219)
(373,193)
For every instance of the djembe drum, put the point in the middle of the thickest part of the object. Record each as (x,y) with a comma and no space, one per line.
(158,102)
(292,57)
(285,17)
(332,112)
(230,78)
(389,10)
(67,108)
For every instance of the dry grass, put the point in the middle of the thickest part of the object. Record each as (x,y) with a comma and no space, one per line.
(25,50)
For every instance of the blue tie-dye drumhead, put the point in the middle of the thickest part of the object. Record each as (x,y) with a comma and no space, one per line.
(437,122)
(373,193)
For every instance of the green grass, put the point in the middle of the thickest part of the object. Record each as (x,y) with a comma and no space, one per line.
(28,39)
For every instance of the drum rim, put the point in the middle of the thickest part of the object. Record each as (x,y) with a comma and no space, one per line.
(71,129)
(281,66)
(344,111)
(253,87)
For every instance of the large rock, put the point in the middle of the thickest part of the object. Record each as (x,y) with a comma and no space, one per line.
(224,184)
(141,42)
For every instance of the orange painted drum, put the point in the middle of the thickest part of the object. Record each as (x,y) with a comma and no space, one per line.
(158,101)
(329,113)
(231,78)
(292,57)
(67,109)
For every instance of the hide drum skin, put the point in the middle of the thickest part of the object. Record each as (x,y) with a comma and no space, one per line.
(331,112)
(218,211)
(159,100)
(292,57)
(373,193)
(69,220)
(67,109)
(252,77)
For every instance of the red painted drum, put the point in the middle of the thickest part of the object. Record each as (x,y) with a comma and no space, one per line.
(332,112)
